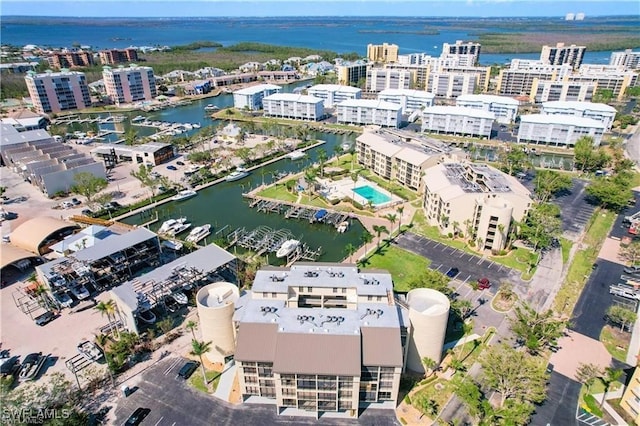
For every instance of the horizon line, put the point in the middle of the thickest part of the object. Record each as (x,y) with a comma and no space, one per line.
(314,16)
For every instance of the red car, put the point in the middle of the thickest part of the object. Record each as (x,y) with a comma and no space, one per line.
(484,283)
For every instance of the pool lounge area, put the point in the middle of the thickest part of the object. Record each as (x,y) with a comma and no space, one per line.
(363,192)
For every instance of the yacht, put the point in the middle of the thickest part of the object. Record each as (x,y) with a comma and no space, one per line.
(147,316)
(287,247)
(138,118)
(198,233)
(296,155)
(196,125)
(172,245)
(90,350)
(211,107)
(168,225)
(180,298)
(179,228)
(238,174)
(343,227)
(184,194)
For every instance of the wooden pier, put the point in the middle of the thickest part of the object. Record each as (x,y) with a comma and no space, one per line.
(292,210)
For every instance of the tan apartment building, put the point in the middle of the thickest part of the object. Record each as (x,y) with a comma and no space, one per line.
(630,401)
(52,92)
(382,52)
(379,79)
(70,59)
(476,200)
(563,91)
(351,73)
(129,84)
(118,56)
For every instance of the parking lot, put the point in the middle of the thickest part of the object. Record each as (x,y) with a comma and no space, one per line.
(173,402)
(471,267)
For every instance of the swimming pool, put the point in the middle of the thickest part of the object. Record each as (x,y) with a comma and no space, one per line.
(371,194)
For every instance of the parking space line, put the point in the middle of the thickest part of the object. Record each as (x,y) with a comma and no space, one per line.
(462,254)
(466,279)
(437,244)
(492,263)
(158,422)
(168,370)
(439,266)
(480,261)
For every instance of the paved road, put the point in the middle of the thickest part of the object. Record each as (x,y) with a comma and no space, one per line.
(173,403)
(632,146)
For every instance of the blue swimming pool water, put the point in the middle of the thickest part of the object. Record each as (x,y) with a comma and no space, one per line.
(371,194)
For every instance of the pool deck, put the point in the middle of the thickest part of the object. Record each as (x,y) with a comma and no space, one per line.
(343,188)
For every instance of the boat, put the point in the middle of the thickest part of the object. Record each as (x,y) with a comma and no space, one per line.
(172,245)
(319,216)
(138,118)
(90,350)
(296,155)
(147,316)
(169,224)
(196,125)
(179,228)
(180,298)
(342,227)
(184,194)
(211,107)
(31,366)
(198,233)
(287,247)
(237,175)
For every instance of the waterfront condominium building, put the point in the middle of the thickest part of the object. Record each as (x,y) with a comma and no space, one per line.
(504,107)
(558,130)
(399,155)
(332,94)
(450,85)
(70,59)
(601,112)
(462,48)
(251,97)
(561,55)
(519,77)
(475,200)
(630,401)
(457,120)
(606,77)
(382,52)
(379,79)
(548,91)
(350,73)
(118,56)
(52,92)
(627,60)
(328,339)
(129,84)
(410,100)
(369,111)
(293,105)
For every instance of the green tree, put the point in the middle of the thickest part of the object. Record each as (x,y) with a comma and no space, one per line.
(102,340)
(610,375)
(88,185)
(541,225)
(514,160)
(463,307)
(146,179)
(515,375)
(350,249)
(536,329)
(588,373)
(322,160)
(588,158)
(603,96)
(108,309)
(392,218)
(472,397)
(199,348)
(245,154)
(430,278)
(611,193)
(429,365)
(400,210)
(130,136)
(631,252)
(366,238)
(621,316)
(549,183)
(192,326)
(379,230)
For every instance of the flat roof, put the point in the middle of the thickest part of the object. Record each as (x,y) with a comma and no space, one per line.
(252,90)
(407,92)
(293,97)
(580,106)
(115,244)
(457,110)
(494,99)
(11,136)
(561,119)
(370,103)
(335,88)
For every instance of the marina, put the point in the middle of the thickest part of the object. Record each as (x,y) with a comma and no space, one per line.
(295,211)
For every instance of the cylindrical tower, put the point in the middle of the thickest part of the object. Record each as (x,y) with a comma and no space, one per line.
(428,313)
(216,304)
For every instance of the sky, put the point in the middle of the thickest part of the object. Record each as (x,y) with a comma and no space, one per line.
(279,8)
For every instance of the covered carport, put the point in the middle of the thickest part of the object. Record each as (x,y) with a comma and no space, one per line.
(38,234)
(15,261)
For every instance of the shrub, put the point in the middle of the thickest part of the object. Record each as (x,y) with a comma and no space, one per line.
(592,405)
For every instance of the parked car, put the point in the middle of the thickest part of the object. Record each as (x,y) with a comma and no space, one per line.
(87,212)
(179,163)
(63,299)
(75,201)
(80,292)
(45,318)
(187,369)
(172,167)
(453,272)
(484,283)
(633,269)
(137,416)
(66,204)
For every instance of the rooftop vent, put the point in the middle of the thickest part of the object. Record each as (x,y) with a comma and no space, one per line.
(268,310)
(376,312)
(311,274)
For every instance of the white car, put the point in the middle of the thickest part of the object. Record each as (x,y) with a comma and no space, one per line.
(80,292)
(66,205)
(63,299)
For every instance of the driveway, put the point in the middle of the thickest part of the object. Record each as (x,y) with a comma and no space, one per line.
(173,402)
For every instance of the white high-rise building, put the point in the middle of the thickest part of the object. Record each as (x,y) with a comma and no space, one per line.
(457,120)
(53,92)
(332,94)
(410,100)
(251,97)
(129,84)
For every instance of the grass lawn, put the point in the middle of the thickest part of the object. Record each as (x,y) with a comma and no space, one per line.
(566,247)
(580,268)
(400,263)
(213,377)
(279,192)
(518,259)
(396,189)
(616,342)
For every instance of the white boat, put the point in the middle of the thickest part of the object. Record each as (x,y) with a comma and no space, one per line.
(211,107)
(168,225)
(31,366)
(138,118)
(343,227)
(237,175)
(287,247)
(172,245)
(296,155)
(196,125)
(198,233)
(180,297)
(179,229)
(147,316)
(90,350)
(184,194)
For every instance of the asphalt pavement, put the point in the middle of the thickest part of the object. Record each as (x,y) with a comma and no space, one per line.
(174,403)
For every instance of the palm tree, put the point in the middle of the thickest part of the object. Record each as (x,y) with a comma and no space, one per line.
(108,308)
(191,326)
(322,159)
(379,230)
(101,340)
(456,228)
(400,210)
(199,348)
(610,375)
(366,238)
(350,249)
(467,328)
(501,230)
(392,218)
(429,364)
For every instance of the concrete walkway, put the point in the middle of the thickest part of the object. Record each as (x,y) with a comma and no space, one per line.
(225,385)
(619,421)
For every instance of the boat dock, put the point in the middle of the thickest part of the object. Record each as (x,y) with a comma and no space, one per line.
(296,211)
(71,119)
(263,240)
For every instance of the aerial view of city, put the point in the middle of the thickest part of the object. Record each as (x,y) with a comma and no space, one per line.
(400,212)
